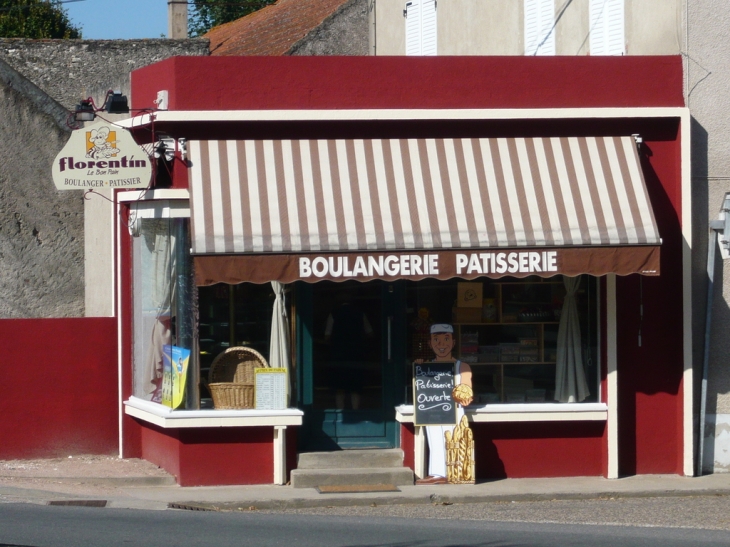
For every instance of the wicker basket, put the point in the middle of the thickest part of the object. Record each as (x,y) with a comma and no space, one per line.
(231,377)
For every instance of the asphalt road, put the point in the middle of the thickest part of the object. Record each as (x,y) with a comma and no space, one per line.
(698,512)
(30,525)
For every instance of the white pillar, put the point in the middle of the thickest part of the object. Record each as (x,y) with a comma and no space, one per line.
(419,449)
(612,380)
(280,454)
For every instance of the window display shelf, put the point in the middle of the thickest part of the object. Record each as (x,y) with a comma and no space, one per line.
(545,412)
(165,417)
(513,349)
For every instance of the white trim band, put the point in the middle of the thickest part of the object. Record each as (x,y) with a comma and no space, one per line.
(542,412)
(167,418)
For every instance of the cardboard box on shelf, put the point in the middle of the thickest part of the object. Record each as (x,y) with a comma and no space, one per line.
(469,295)
(467,315)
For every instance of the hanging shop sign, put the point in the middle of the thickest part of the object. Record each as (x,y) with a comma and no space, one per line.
(101,155)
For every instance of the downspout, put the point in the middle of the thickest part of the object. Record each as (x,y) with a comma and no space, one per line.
(715,226)
(372,34)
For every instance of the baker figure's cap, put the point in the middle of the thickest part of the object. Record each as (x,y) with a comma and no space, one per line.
(441,327)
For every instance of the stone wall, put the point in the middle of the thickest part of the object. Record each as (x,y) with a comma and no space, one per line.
(69,70)
(345,32)
(49,268)
(41,229)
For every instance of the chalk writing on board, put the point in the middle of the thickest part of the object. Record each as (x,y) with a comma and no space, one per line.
(432,387)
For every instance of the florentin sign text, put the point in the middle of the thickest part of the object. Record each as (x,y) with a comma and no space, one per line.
(101,155)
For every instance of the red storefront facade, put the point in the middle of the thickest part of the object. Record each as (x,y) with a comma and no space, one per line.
(639,419)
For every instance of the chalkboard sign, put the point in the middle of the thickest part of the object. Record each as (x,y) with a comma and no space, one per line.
(432,386)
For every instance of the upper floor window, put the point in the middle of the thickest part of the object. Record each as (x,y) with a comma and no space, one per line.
(420,18)
(607,27)
(539,27)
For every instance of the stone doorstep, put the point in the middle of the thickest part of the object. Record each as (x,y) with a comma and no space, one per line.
(312,478)
(351,459)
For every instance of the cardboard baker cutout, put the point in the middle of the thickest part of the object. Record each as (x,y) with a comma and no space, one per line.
(451,447)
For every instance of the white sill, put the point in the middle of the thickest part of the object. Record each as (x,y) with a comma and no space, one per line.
(155,194)
(537,412)
(165,417)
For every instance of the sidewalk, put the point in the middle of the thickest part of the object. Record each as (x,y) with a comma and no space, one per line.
(141,485)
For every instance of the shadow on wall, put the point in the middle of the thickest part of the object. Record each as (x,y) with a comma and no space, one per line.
(707,196)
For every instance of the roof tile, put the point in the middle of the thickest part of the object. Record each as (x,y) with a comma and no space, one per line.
(272,30)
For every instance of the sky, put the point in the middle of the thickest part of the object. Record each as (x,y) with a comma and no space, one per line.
(118,19)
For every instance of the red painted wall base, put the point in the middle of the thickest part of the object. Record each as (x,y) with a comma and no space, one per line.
(521,450)
(58,387)
(214,457)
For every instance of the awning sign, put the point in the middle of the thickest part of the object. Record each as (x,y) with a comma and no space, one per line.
(445,264)
(101,155)
(406,265)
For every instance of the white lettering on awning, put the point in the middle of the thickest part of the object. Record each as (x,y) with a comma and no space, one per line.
(515,262)
(369,266)
(411,265)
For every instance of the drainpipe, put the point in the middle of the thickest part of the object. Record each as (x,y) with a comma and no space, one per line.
(372,35)
(722,225)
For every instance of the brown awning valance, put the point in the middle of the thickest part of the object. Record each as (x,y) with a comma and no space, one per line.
(495,263)
(264,208)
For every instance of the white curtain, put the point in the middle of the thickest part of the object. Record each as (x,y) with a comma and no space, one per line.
(154,292)
(279,344)
(570,378)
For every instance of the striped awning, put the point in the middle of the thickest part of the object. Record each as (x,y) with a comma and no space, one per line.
(287,198)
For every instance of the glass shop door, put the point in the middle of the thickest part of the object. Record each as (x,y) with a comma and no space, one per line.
(350,339)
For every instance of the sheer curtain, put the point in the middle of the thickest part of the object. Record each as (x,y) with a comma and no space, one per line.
(154,293)
(570,378)
(279,344)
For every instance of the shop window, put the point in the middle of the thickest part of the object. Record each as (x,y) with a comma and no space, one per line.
(526,340)
(232,316)
(163,299)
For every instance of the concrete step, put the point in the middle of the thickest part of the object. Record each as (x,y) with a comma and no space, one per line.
(351,459)
(311,478)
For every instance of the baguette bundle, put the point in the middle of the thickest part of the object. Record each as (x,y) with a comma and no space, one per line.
(460,454)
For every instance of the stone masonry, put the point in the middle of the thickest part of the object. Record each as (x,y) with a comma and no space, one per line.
(42,248)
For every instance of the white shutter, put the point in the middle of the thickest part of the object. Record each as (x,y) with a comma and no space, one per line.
(607,27)
(539,21)
(428,27)
(413,27)
(421,27)
(615,41)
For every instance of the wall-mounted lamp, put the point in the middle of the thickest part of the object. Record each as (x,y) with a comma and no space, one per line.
(114,103)
(85,111)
